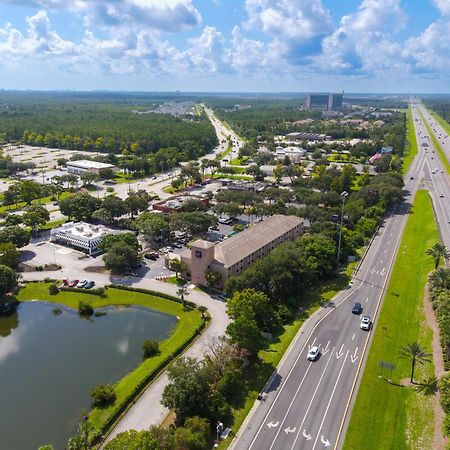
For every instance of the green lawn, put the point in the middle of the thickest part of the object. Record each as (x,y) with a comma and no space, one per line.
(410,150)
(388,416)
(39,201)
(272,356)
(438,148)
(443,123)
(183,331)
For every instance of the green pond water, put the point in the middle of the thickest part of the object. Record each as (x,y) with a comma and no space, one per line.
(49,364)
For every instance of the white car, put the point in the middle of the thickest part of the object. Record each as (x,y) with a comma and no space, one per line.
(82,284)
(365,323)
(313,353)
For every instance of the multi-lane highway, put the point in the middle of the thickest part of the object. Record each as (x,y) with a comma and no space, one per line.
(308,404)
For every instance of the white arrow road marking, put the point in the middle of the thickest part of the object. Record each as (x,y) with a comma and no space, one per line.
(338,355)
(306,435)
(326,350)
(311,345)
(381,262)
(273,425)
(353,337)
(289,430)
(329,401)
(326,443)
(367,299)
(372,270)
(383,271)
(354,357)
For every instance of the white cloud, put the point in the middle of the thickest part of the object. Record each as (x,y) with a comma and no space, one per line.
(443,6)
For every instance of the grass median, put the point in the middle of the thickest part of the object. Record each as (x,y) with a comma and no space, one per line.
(185,329)
(410,150)
(388,415)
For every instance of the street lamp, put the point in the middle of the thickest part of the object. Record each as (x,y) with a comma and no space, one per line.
(219,429)
(344,194)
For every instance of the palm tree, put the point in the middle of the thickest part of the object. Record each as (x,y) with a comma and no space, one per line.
(416,354)
(182,292)
(437,251)
(440,278)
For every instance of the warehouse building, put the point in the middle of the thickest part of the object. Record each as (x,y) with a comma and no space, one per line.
(86,165)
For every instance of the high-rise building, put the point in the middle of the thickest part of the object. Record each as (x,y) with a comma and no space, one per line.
(324,102)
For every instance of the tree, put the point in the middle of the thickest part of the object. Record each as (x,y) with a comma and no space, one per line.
(150,348)
(278,172)
(8,279)
(133,440)
(15,234)
(79,206)
(440,278)
(29,191)
(213,278)
(88,178)
(193,223)
(136,202)
(437,251)
(154,226)
(36,216)
(416,354)
(81,441)
(103,395)
(121,258)
(114,205)
(8,254)
(182,292)
(106,174)
(110,239)
(244,331)
(178,266)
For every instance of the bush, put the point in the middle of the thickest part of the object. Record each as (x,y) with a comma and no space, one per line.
(150,348)
(109,189)
(97,291)
(85,309)
(103,395)
(53,289)
(238,227)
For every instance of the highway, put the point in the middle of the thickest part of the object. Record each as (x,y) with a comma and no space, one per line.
(308,404)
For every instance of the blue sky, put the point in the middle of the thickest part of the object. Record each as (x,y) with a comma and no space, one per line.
(226,45)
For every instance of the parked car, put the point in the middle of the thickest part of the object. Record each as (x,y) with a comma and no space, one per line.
(177,245)
(72,283)
(151,256)
(313,353)
(82,284)
(365,323)
(65,282)
(357,308)
(90,284)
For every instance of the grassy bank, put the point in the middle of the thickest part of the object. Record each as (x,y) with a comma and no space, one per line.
(270,357)
(389,416)
(410,150)
(438,147)
(189,321)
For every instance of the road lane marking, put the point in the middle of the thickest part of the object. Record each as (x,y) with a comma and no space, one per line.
(290,405)
(306,435)
(290,430)
(383,271)
(338,355)
(353,337)
(354,357)
(312,345)
(326,350)
(330,399)
(325,442)
(367,299)
(311,401)
(372,270)
(273,424)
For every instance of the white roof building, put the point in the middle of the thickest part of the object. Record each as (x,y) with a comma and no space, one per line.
(86,165)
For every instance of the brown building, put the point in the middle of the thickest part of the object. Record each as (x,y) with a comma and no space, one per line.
(235,254)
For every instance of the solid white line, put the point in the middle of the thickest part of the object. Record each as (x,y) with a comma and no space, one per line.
(290,405)
(311,402)
(329,401)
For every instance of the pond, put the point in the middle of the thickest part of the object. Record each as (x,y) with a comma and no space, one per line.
(49,364)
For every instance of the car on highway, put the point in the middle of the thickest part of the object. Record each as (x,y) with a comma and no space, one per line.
(357,308)
(365,323)
(81,284)
(90,284)
(441,195)
(72,283)
(313,353)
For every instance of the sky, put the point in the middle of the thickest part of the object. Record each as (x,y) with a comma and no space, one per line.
(387,46)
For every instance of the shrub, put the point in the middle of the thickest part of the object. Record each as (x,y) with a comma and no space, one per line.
(103,395)
(239,227)
(53,289)
(85,309)
(150,348)
(109,189)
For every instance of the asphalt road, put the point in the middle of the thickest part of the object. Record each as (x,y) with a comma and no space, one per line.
(308,404)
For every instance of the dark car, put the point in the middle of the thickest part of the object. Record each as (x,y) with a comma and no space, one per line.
(357,308)
(151,256)
(89,284)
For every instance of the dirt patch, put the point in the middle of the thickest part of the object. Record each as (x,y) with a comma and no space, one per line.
(25,267)
(439,440)
(406,382)
(95,269)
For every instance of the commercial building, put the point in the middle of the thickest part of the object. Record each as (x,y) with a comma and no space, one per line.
(305,136)
(175,204)
(295,154)
(324,102)
(81,236)
(233,255)
(86,165)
